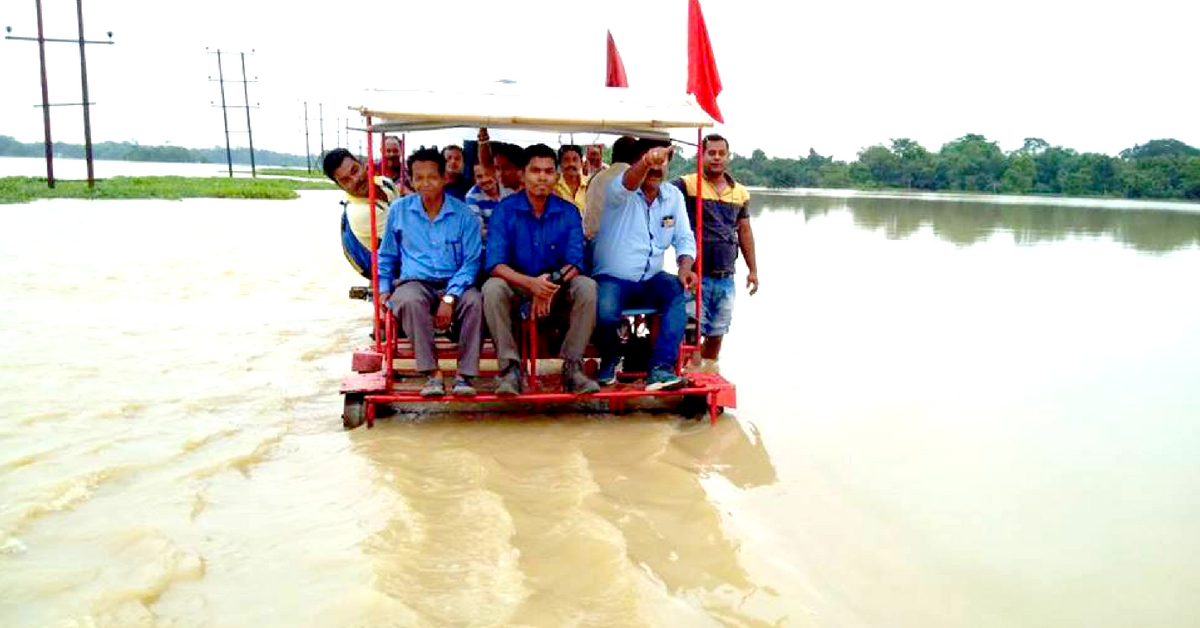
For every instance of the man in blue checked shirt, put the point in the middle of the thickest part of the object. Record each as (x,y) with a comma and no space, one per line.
(432,240)
(535,251)
(642,219)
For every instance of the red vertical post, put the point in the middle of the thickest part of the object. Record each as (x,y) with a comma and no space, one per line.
(699,227)
(374,227)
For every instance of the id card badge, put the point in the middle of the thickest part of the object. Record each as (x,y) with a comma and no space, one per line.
(668,221)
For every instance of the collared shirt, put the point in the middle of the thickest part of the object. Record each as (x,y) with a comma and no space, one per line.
(634,235)
(597,191)
(358,213)
(446,248)
(722,212)
(532,245)
(579,197)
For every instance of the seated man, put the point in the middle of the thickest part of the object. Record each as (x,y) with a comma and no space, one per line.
(457,183)
(505,162)
(435,240)
(535,250)
(483,197)
(351,176)
(642,217)
(572,184)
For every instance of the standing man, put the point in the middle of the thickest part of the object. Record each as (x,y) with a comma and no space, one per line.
(595,160)
(535,251)
(572,184)
(351,176)
(642,218)
(391,164)
(434,238)
(726,229)
(457,183)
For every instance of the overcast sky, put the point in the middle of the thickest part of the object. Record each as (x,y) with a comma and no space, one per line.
(834,76)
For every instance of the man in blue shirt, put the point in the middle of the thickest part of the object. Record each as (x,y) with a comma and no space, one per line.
(535,250)
(428,260)
(642,218)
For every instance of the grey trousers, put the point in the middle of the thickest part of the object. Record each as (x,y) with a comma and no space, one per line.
(499,299)
(414,304)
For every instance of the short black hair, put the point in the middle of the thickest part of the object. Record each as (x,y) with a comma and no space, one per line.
(333,160)
(427,154)
(566,148)
(513,153)
(623,150)
(541,150)
(451,147)
(712,137)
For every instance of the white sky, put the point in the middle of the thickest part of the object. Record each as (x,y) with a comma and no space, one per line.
(835,76)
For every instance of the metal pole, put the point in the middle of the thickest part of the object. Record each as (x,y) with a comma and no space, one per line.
(307,150)
(87,118)
(321,122)
(371,199)
(224,113)
(249,133)
(41,39)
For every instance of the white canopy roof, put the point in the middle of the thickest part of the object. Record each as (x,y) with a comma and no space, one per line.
(602,110)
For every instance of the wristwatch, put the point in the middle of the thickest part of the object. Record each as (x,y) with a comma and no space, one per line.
(448,299)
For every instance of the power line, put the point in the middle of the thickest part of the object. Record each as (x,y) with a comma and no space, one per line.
(41,40)
(224,108)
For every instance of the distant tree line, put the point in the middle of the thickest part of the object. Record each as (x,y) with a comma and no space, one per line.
(1164,169)
(132,151)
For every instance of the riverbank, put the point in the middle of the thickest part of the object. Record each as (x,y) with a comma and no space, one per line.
(26,189)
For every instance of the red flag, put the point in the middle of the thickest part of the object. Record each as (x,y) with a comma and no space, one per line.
(703,79)
(615,77)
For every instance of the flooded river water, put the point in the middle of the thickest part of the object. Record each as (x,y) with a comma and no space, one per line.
(951,413)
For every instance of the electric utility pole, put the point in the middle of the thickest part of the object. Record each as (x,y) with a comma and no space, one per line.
(41,40)
(307,150)
(225,106)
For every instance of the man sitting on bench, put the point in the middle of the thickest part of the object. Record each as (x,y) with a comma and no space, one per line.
(435,239)
(642,218)
(535,251)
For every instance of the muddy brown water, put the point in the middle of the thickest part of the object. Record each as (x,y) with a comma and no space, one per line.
(952,413)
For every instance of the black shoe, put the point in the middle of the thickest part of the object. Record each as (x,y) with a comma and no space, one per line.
(574,379)
(508,382)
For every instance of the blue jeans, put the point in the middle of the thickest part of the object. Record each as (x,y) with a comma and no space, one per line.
(716,308)
(662,292)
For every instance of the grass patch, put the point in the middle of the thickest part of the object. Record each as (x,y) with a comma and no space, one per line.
(25,189)
(293,172)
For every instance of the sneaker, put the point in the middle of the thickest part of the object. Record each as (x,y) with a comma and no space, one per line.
(575,380)
(508,382)
(463,387)
(608,374)
(433,387)
(663,378)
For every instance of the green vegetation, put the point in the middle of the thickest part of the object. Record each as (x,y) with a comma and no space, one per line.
(132,151)
(1160,169)
(292,172)
(25,189)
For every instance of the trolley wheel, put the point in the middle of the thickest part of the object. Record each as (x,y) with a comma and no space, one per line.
(354,410)
(693,407)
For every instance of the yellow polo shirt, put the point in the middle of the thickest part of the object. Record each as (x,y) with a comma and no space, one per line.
(579,198)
